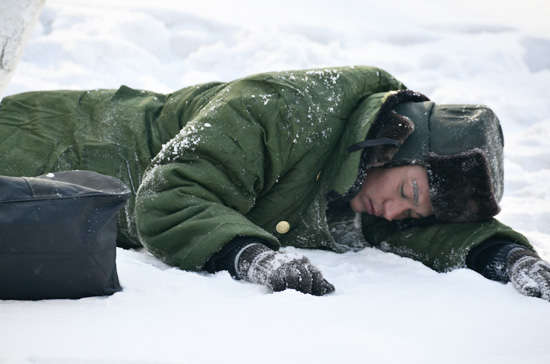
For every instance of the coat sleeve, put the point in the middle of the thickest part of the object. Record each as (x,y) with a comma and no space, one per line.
(441,246)
(205,186)
(195,196)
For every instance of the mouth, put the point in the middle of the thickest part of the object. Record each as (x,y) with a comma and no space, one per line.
(368,206)
(371,210)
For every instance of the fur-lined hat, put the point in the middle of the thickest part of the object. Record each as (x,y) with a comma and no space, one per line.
(460,146)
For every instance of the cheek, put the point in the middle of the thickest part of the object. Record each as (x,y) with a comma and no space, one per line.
(355,204)
(373,188)
(376,182)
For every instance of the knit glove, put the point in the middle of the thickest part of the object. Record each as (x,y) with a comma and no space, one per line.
(529,274)
(259,264)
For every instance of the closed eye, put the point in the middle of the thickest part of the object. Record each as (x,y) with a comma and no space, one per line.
(402,190)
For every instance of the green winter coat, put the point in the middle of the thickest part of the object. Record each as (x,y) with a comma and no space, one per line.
(216,161)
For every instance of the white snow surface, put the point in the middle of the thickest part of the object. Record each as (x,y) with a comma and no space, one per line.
(386,309)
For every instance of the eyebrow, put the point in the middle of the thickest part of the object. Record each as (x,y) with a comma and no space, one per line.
(415,197)
(415,192)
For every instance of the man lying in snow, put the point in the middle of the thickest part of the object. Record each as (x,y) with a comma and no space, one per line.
(223,174)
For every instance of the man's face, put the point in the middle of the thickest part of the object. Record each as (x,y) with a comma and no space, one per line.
(394,193)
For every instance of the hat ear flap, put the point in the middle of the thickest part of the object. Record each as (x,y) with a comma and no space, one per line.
(460,187)
(395,127)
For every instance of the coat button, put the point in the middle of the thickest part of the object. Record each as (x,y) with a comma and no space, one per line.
(282,227)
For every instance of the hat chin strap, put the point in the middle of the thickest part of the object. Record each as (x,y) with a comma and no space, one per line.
(372,143)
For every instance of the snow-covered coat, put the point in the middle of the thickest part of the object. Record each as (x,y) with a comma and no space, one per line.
(255,157)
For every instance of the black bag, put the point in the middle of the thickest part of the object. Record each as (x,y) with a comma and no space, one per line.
(58,235)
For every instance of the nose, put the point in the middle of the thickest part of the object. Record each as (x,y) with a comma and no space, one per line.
(394,209)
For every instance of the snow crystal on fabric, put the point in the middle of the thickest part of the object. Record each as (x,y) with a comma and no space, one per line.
(188,138)
(319,89)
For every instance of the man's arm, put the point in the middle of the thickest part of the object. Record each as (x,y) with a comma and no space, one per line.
(195,196)
(441,246)
(506,261)
(246,160)
(491,248)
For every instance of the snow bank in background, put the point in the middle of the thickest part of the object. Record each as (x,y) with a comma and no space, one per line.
(17,18)
(386,309)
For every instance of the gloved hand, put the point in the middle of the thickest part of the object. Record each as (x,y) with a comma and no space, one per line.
(504,261)
(259,264)
(529,274)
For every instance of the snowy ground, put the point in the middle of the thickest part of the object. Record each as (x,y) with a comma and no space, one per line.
(386,309)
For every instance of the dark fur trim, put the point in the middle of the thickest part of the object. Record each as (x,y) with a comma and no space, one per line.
(396,127)
(389,124)
(460,187)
